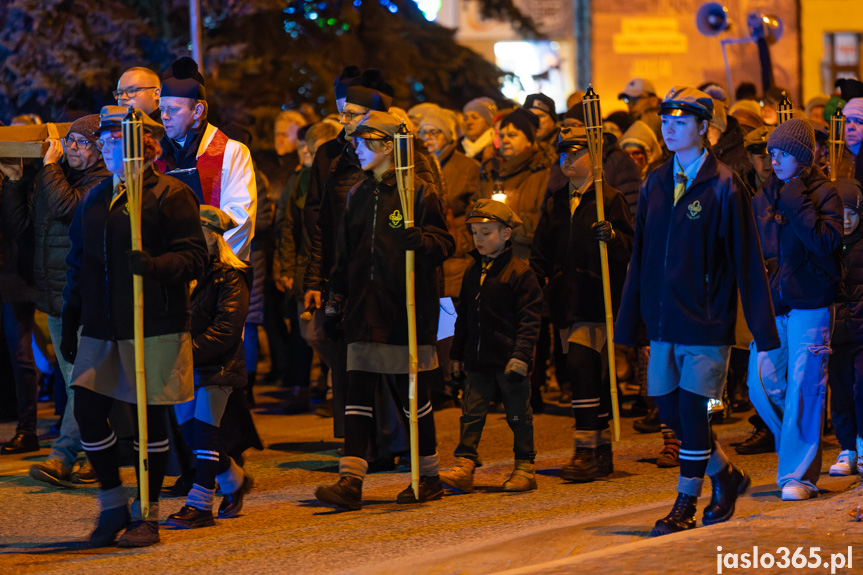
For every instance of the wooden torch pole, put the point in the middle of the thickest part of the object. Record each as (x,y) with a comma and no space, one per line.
(404,160)
(593,124)
(133,163)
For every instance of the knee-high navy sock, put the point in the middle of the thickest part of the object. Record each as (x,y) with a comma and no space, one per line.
(696,439)
(208,456)
(425,415)
(584,367)
(97,437)
(359,412)
(158,447)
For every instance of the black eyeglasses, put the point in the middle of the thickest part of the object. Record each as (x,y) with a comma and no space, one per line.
(130,92)
(350,116)
(81,144)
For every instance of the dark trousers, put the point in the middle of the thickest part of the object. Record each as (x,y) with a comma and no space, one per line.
(360,412)
(846,393)
(337,351)
(301,355)
(480,389)
(18,320)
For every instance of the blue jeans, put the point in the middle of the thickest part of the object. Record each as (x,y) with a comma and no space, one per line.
(788,387)
(67,447)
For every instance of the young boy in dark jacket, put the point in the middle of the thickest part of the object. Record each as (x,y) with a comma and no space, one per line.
(846,364)
(565,257)
(495,334)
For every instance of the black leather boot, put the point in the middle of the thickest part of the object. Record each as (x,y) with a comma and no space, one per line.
(189,517)
(761,440)
(111,522)
(430,488)
(681,518)
(346,493)
(588,464)
(727,485)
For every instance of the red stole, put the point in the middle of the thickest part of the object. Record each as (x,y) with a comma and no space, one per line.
(210,169)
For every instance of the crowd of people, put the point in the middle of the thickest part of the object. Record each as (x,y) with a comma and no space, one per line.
(748,294)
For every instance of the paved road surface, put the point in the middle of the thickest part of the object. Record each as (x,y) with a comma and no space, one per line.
(600,527)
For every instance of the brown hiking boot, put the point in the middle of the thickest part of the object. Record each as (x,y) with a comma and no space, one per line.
(522,478)
(460,475)
(670,454)
(346,493)
(588,464)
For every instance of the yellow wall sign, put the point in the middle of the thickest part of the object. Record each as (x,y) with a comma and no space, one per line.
(650,36)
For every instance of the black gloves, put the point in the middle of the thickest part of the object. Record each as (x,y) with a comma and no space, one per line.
(602,231)
(412,238)
(140,263)
(70,318)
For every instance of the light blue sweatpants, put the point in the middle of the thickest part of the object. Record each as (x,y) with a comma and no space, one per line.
(788,387)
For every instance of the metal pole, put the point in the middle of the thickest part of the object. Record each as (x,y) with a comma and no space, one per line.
(195,32)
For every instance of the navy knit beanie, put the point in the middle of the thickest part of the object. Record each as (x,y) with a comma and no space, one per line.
(795,137)
(343,80)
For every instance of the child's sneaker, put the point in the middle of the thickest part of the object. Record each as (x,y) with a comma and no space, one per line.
(846,464)
(460,475)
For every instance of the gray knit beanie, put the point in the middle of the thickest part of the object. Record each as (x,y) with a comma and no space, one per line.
(485,107)
(795,137)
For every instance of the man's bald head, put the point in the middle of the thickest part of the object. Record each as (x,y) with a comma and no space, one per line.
(139,87)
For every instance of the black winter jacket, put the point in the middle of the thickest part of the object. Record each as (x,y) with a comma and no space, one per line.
(730,151)
(370,266)
(99,283)
(801,252)
(16,239)
(690,260)
(566,256)
(219,305)
(326,199)
(849,303)
(498,320)
(56,194)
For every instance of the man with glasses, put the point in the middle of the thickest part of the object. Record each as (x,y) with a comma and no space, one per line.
(640,98)
(58,187)
(140,88)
